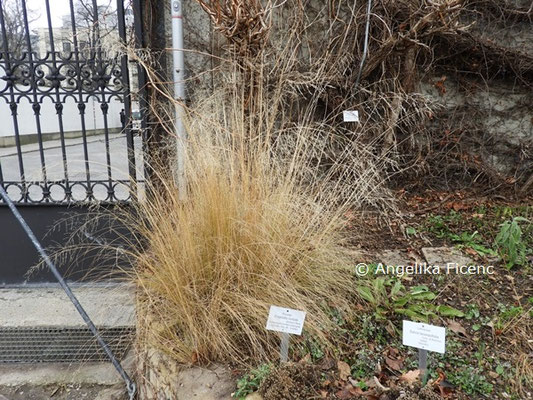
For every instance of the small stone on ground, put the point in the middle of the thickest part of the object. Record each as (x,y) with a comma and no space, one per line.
(441,256)
(205,384)
(252,396)
(394,257)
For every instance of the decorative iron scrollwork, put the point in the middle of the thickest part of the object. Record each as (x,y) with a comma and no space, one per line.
(81,73)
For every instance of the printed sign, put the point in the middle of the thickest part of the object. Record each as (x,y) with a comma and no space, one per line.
(285,320)
(424,336)
(350,116)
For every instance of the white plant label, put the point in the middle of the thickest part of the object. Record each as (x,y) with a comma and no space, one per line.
(285,320)
(350,116)
(424,336)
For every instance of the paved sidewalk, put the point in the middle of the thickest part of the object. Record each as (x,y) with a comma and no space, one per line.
(75,156)
(108,305)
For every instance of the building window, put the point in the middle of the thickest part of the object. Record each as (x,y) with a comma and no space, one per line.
(67,48)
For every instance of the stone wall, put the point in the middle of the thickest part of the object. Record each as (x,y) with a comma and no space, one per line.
(495,114)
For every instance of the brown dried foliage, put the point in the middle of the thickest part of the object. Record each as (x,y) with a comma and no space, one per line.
(316,49)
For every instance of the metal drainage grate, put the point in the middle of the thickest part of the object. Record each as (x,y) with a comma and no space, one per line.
(52,344)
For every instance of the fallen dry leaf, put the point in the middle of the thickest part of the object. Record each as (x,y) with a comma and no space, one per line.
(471,252)
(445,388)
(410,376)
(349,392)
(457,206)
(393,351)
(456,327)
(371,395)
(344,370)
(370,383)
(440,85)
(393,364)
(306,359)
(327,363)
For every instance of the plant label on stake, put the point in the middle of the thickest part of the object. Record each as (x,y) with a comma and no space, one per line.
(288,322)
(350,116)
(425,338)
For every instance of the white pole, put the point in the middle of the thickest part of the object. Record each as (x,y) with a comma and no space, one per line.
(179,92)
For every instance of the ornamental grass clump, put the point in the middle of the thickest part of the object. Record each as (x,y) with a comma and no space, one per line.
(271,179)
(255,228)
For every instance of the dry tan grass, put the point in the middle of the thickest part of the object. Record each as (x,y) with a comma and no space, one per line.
(518,332)
(256,228)
(268,184)
(524,374)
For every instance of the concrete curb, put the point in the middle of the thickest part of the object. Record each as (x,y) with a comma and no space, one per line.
(58,373)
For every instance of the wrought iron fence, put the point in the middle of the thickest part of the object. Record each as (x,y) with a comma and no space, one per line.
(63,86)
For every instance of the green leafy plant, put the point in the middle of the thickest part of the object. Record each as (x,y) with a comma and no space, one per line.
(505,315)
(410,231)
(473,241)
(362,385)
(479,354)
(504,212)
(439,224)
(313,347)
(471,381)
(250,382)
(369,329)
(364,364)
(436,224)
(472,312)
(452,357)
(510,244)
(389,295)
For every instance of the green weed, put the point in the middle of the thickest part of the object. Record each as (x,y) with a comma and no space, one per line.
(313,347)
(410,231)
(364,364)
(510,244)
(473,241)
(250,382)
(389,295)
(370,330)
(472,312)
(471,381)
(506,314)
(438,225)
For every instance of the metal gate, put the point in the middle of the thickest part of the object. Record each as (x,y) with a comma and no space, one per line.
(72,117)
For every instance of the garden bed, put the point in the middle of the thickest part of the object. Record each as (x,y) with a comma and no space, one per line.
(488,340)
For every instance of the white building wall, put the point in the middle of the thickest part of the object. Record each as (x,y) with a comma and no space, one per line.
(49,121)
